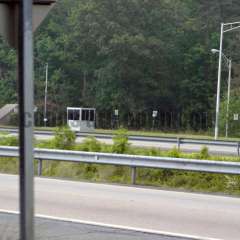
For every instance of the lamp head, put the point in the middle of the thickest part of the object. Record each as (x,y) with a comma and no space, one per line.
(214,51)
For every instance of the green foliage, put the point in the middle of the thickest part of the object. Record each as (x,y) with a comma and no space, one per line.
(9,165)
(90,144)
(120,141)
(109,54)
(234,106)
(64,138)
(154,177)
(123,53)
(8,88)
(47,144)
(9,141)
(204,153)
(174,153)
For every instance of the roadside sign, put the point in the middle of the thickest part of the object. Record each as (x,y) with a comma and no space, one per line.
(154,114)
(116,112)
(236,117)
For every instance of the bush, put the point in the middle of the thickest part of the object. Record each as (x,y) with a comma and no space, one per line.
(90,144)
(64,138)
(120,142)
(204,153)
(174,153)
(9,141)
(234,105)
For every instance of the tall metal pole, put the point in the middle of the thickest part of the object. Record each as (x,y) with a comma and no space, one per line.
(219,83)
(25,78)
(229,92)
(46,92)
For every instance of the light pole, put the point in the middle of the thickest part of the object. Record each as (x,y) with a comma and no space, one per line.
(225,27)
(229,91)
(45,98)
(229,65)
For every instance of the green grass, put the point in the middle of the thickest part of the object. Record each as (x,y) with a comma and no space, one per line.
(183,180)
(154,133)
(188,134)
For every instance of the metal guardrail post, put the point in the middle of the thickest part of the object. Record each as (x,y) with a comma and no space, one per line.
(238,148)
(40,167)
(132,161)
(179,144)
(133,175)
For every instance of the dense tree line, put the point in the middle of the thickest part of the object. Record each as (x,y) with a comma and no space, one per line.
(135,55)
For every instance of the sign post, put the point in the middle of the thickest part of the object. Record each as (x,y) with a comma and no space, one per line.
(235,116)
(18,20)
(154,116)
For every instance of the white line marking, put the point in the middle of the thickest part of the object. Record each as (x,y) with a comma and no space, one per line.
(143,230)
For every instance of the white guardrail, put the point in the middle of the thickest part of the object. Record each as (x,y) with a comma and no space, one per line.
(132,161)
(178,141)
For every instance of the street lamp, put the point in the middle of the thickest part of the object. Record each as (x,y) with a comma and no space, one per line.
(45,98)
(45,119)
(225,27)
(229,65)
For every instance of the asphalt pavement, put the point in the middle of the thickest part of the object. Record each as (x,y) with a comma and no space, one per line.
(47,229)
(216,150)
(183,213)
(140,142)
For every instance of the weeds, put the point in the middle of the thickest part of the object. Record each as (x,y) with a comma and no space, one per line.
(120,142)
(65,139)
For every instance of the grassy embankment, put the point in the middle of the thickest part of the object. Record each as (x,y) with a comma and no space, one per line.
(65,139)
(154,133)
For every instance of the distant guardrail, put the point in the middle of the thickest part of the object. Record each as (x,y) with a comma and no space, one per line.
(132,161)
(178,141)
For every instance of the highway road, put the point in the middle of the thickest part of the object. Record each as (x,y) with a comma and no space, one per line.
(52,229)
(142,208)
(215,150)
(140,141)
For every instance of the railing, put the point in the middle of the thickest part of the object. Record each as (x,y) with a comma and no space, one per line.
(178,141)
(131,161)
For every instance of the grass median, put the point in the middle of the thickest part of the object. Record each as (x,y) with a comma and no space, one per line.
(182,180)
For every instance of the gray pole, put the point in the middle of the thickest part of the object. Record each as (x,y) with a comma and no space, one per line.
(45,100)
(229,92)
(25,77)
(219,83)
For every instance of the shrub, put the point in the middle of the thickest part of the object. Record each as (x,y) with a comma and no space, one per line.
(175,153)
(204,153)
(9,141)
(234,105)
(48,144)
(64,138)
(120,141)
(90,144)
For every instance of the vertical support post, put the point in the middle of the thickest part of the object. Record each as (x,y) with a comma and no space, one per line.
(45,98)
(229,92)
(40,167)
(238,148)
(133,175)
(219,83)
(25,78)
(179,144)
